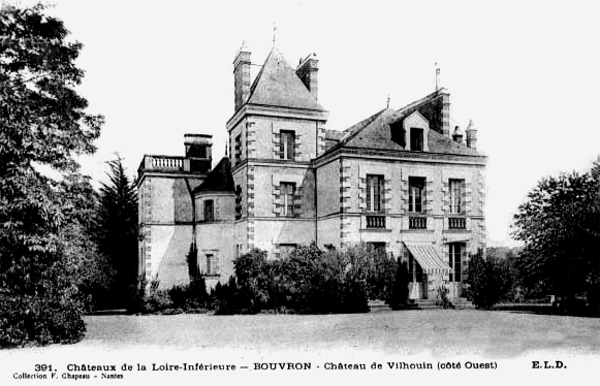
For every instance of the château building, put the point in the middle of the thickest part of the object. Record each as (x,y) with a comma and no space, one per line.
(402,179)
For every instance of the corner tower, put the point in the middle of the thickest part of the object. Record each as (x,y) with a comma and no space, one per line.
(274,134)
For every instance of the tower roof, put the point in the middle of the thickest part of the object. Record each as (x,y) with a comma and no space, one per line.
(219,179)
(278,85)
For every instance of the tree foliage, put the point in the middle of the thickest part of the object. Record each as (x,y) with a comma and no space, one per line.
(117,229)
(308,280)
(560,226)
(43,123)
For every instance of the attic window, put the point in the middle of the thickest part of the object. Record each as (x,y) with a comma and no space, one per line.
(416,139)
(398,133)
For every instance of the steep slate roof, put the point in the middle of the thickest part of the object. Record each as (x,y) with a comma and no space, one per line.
(372,134)
(278,85)
(219,179)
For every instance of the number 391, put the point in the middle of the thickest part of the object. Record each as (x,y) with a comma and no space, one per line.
(39,367)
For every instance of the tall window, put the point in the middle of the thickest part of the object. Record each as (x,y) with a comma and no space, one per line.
(416,187)
(287,198)
(238,202)
(209,210)
(416,139)
(374,193)
(237,149)
(456,192)
(211,268)
(286,145)
(454,261)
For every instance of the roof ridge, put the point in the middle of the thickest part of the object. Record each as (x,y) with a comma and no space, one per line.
(424,99)
(253,86)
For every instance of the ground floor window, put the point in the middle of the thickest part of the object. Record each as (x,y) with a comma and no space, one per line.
(455,261)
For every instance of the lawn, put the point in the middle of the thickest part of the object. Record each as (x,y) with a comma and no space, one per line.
(439,332)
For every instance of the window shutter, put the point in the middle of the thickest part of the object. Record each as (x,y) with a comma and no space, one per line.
(296,151)
(446,196)
(298,201)
(276,200)
(468,198)
(363,204)
(428,199)
(217,265)
(387,195)
(276,142)
(403,194)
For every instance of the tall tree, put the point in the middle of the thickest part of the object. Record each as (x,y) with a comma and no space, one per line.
(560,226)
(117,232)
(43,122)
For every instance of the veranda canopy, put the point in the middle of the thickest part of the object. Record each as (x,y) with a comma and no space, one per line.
(429,258)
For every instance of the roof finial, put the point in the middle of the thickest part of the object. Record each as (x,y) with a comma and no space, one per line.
(274,33)
(437,77)
(388,101)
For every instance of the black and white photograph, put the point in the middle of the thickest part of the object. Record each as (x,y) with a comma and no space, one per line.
(299,191)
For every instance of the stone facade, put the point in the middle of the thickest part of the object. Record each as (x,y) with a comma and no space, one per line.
(396,179)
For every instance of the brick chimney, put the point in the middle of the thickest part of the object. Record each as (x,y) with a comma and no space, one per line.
(445,113)
(307,72)
(241,76)
(471,136)
(457,135)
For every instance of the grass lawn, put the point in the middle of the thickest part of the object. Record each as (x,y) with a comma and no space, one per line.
(439,332)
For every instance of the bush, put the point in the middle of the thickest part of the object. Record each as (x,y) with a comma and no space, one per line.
(42,319)
(441,298)
(484,286)
(306,281)
(398,297)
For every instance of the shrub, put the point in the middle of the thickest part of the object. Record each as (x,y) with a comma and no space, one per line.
(483,283)
(398,297)
(305,281)
(441,298)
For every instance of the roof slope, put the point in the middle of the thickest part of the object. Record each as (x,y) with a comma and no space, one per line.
(374,132)
(219,179)
(278,85)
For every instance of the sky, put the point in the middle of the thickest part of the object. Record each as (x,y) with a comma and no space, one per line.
(525,72)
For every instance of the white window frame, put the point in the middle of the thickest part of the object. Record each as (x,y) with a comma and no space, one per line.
(375,193)
(456,188)
(287,191)
(287,139)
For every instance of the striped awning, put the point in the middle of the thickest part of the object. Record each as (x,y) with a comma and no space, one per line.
(429,258)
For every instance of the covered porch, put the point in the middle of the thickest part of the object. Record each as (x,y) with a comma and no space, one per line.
(426,270)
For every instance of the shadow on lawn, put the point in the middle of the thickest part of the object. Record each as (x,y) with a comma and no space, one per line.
(547,309)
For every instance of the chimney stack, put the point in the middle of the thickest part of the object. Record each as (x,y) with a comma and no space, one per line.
(457,135)
(241,75)
(445,110)
(307,72)
(471,136)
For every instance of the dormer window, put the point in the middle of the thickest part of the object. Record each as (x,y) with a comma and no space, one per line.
(416,139)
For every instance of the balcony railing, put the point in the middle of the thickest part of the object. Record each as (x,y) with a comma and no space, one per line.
(375,222)
(160,162)
(457,223)
(417,222)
